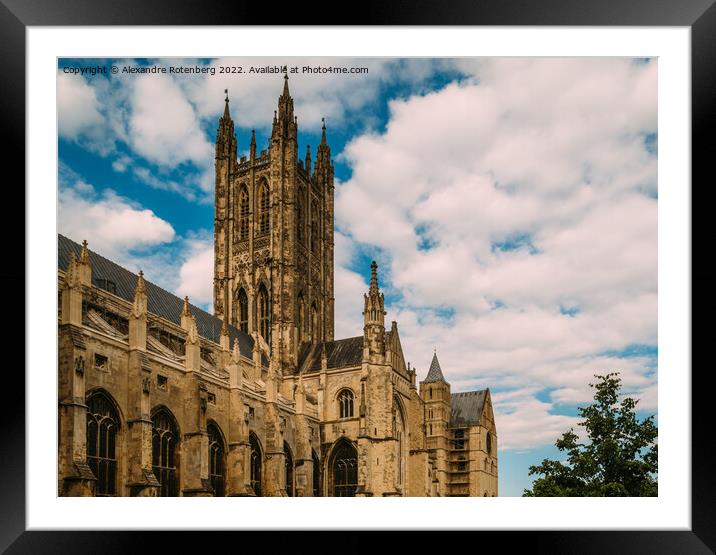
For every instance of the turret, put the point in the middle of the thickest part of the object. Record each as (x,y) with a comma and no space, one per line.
(284,122)
(374,317)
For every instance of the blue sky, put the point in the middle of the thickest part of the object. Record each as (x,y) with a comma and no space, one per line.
(510,203)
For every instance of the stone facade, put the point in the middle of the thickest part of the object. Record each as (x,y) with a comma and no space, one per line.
(158,397)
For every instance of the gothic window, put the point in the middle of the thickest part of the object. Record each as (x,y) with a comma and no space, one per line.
(243,213)
(102,429)
(165,442)
(314,228)
(300,318)
(488,443)
(243,310)
(216,459)
(264,314)
(289,469)
(255,464)
(314,323)
(398,433)
(301,215)
(345,470)
(345,403)
(264,208)
(316,475)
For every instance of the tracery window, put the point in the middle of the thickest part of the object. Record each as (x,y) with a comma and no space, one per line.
(243,301)
(345,470)
(264,209)
(316,475)
(255,464)
(314,323)
(300,318)
(165,442)
(301,215)
(289,469)
(264,314)
(102,429)
(243,213)
(345,403)
(216,460)
(314,228)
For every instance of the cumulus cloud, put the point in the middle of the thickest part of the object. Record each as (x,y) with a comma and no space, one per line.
(163,126)
(77,106)
(196,274)
(112,223)
(517,211)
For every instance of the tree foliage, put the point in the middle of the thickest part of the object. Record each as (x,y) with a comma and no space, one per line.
(618,458)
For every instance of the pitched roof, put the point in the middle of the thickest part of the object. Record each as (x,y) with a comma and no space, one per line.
(467,407)
(159,301)
(341,353)
(435,374)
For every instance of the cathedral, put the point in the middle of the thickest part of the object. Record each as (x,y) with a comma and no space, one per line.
(160,398)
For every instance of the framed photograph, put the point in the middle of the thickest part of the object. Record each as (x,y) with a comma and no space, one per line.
(443,270)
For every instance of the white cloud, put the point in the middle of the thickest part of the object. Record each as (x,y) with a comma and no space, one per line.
(163,126)
(77,106)
(499,202)
(196,275)
(111,223)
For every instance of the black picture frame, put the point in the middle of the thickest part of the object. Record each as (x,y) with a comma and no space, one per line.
(16,15)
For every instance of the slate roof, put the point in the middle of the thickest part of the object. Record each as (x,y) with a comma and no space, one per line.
(341,353)
(159,301)
(467,407)
(435,374)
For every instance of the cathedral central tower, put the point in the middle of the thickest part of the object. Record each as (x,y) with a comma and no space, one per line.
(273,237)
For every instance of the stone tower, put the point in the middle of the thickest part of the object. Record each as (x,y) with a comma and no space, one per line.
(273,237)
(435,392)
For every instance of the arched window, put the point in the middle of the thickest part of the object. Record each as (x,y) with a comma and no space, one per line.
(289,469)
(301,317)
(264,314)
(301,215)
(243,213)
(243,301)
(345,403)
(264,209)
(216,459)
(165,442)
(315,233)
(485,464)
(316,475)
(344,469)
(488,443)
(314,323)
(256,458)
(492,467)
(399,434)
(102,429)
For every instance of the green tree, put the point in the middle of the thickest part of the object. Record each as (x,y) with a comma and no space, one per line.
(619,457)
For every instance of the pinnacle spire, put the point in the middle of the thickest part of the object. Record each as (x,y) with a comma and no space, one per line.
(373,277)
(227,116)
(84,253)
(185,309)
(285,84)
(141,286)
(323,131)
(435,374)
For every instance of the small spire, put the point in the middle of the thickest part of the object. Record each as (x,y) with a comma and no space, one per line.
(285,83)
(84,253)
(185,310)
(235,351)
(435,374)
(227,116)
(141,287)
(323,131)
(373,277)
(253,138)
